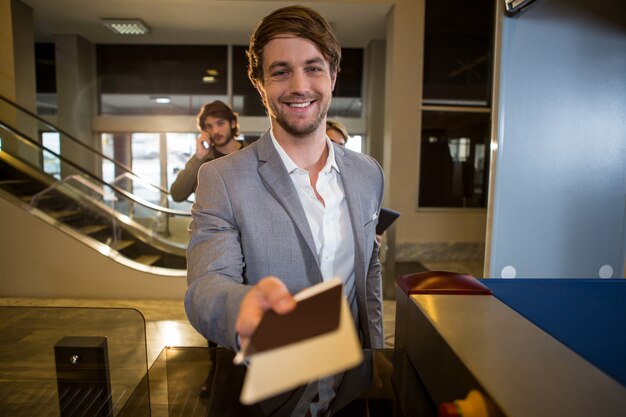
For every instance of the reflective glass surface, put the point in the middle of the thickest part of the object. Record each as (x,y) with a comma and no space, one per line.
(454,159)
(160,79)
(458,52)
(58,361)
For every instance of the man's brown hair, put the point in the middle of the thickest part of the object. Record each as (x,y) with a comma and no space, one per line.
(300,21)
(219,110)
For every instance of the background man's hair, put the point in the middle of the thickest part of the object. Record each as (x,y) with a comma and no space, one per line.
(301,21)
(333,124)
(219,110)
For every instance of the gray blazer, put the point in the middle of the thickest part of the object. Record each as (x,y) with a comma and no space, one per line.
(248,222)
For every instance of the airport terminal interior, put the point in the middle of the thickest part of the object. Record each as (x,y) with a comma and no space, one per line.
(499,126)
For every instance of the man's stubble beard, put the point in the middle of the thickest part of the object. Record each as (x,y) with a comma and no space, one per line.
(298,131)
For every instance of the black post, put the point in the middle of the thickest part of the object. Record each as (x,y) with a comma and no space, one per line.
(82,365)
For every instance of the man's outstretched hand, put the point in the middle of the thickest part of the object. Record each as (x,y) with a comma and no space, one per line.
(270,293)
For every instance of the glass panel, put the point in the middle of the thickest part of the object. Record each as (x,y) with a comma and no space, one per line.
(180,147)
(90,360)
(51,162)
(97,212)
(347,97)
(160,79)
(178,371)
(355,143)
(45,72)
(458,52)
(454,159)
(246,99)
(147,164)
(108,167)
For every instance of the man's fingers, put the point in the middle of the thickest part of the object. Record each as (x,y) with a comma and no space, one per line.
(269,293)
(275,295)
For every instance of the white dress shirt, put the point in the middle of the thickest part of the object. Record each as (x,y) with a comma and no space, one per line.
(334,243)
(330,222)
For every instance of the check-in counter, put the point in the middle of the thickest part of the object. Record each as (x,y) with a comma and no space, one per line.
(459,337)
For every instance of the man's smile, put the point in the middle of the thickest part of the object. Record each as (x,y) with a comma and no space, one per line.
(300,105)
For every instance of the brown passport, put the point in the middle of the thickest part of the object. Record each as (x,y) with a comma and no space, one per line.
(312,317)
(317,339)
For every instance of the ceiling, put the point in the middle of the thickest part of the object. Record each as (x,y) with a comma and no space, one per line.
(197,21)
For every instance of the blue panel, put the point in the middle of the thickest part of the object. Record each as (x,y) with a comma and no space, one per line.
(560,186)
(587,315)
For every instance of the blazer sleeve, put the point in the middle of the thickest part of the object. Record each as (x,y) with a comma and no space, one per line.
(215,264)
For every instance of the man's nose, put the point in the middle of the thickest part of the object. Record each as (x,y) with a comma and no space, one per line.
(299,82)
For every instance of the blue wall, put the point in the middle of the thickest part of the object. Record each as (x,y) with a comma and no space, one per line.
(587,315)
(560,185)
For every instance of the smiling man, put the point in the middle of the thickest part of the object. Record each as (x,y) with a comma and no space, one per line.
(289,211)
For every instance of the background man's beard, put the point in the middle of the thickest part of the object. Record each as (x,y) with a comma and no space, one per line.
(226,139)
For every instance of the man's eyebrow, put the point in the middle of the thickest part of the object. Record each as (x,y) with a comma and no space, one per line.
(316,60)
(284,64)
(278,64)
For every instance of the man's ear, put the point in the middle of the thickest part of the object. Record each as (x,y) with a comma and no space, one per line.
(333,80)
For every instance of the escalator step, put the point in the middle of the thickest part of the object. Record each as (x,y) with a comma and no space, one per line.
(147,259)
(122,244)
(62,214)
(14,181)
(28,198)
(92,228)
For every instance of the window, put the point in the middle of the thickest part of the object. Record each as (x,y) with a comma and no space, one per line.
(457,52)
(147,165)
(454,149)
(51,163)
(160,79)
(355,143)
(246,99)
(45,74)
(348,95)
(454,159)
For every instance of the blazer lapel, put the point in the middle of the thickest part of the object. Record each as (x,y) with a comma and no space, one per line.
(352,191)
(277,180)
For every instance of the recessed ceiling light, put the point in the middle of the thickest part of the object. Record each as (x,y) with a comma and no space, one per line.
(126,26)
(161,100)
(208,79)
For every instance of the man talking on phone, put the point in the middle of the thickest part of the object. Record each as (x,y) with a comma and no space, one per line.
(218,129)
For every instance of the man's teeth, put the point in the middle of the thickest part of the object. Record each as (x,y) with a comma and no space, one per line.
(308,103)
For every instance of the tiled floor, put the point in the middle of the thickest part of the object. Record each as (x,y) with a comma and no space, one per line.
(166,323)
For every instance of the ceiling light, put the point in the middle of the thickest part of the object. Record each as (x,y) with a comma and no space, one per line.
(161,100)
(208,79)
(126,26)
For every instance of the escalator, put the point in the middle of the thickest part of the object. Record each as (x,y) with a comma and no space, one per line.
(127,219)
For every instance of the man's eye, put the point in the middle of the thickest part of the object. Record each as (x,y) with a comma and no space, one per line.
(280,73)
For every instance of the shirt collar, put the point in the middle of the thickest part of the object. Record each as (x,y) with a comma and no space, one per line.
(291,166)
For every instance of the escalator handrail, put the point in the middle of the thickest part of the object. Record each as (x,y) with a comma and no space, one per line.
(125,193)
(73,139)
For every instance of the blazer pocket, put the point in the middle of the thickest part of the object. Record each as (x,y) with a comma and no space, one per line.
(372,220)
